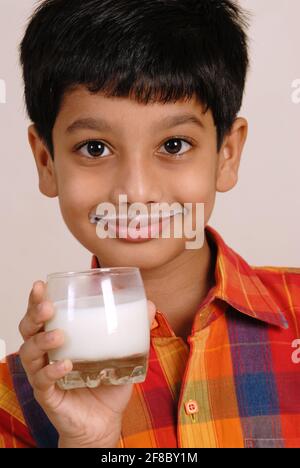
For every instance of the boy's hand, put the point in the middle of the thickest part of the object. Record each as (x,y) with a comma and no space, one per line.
(83,417)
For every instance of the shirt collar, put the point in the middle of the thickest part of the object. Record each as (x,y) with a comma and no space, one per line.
(237,284)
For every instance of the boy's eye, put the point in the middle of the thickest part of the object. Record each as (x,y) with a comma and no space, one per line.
(95,149)
(174,145)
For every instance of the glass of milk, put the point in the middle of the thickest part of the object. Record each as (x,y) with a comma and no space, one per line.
(103,313)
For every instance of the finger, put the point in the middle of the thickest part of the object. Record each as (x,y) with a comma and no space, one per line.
(44,380)
(35,319)
(33,351)
(38,293)
(151,311)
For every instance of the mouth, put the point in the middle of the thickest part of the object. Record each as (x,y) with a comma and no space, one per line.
(140,228)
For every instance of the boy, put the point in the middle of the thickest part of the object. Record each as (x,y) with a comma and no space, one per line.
(140,97)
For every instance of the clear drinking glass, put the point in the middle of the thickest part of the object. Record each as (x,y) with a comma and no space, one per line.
(103,313)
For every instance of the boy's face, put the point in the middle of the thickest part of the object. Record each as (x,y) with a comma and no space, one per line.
(140,154)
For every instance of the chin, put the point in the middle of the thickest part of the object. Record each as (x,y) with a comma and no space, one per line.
(148,255)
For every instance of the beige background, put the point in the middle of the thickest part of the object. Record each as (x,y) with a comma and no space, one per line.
(259,218)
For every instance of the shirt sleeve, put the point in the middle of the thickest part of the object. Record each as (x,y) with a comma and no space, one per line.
(13,430)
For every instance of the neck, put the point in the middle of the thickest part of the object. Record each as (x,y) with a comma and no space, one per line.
(178,287)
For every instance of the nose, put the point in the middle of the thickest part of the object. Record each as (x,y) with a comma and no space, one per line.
(138,178)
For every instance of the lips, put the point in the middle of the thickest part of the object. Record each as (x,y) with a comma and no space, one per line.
(137,231)
(142,219)
(139,228)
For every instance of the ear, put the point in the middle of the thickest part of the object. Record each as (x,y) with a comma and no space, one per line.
(230,155)
(44,164)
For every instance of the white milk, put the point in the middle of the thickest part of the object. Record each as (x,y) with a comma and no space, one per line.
(95,333)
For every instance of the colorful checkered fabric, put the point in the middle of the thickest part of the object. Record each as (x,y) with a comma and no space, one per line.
(235,384)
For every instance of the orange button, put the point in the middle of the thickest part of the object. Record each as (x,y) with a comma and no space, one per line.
(191,407)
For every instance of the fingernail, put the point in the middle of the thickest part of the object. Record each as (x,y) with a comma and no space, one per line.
(35,285)
(64,366)
(51,336)
(68,365)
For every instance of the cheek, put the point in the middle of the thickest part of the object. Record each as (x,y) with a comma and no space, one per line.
(78,188)
(78,193)
(74,198)
(198,186)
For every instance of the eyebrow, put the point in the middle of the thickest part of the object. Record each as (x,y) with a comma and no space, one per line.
(102,125)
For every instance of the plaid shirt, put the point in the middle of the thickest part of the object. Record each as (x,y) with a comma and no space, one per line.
(235,384)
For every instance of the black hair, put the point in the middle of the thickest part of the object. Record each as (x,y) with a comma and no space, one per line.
(149,50)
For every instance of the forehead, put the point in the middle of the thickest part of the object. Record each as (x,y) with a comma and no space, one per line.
(79,103)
